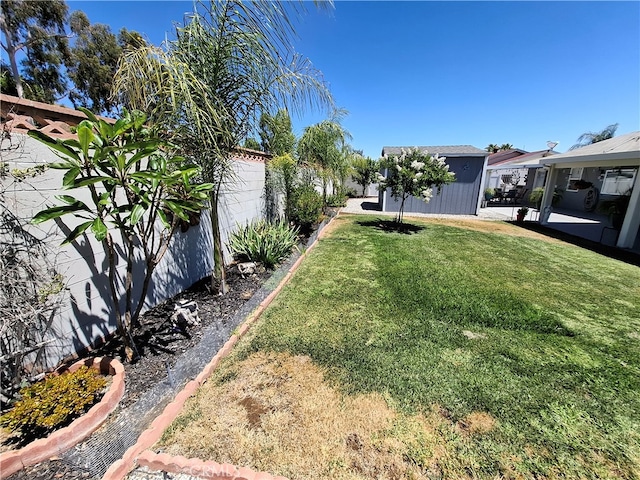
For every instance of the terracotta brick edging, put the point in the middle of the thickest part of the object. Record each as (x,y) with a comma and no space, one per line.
(139,453)
(65,438)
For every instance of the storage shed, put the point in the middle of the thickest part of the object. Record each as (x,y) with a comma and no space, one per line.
(462,197)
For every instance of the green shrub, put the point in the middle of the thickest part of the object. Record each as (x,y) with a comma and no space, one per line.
(351,192)
(264,242)
(306,207)
(535,197)
(336,201)
(54,402)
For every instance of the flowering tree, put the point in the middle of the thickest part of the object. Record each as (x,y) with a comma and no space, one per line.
(415,173)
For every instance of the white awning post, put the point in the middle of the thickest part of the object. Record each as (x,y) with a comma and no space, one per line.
(631,222)
(547,196)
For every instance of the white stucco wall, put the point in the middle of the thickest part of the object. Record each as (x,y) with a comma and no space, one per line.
(87,314)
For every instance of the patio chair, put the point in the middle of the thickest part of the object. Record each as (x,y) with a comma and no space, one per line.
(510,196)
(520,195)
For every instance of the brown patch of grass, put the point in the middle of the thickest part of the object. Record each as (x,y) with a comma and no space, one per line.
(274,412)
(477,423)
(331,226)
(492,226)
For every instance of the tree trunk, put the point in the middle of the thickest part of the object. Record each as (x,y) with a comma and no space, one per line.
(218,275)
(131,352)
(11,52)
(401,211)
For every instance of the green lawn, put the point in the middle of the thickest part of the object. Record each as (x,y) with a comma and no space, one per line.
(541,337)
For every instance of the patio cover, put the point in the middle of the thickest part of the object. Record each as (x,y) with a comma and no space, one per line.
(529,160)
(621,151)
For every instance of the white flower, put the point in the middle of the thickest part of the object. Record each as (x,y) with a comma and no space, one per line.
(427,194)
(399,168)
(418,175)
(381,178)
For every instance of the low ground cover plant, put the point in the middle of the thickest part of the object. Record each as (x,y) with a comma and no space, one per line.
(53,403)
(463,350)
(266,242)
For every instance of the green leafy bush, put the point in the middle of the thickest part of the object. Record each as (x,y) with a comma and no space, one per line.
(351,192)
(306,207)
(54,402)
(261,241)
(336,201)
(535,197)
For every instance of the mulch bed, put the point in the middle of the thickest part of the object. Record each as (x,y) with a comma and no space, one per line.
(160,344)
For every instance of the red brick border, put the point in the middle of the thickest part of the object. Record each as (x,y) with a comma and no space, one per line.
(65,438)
(140,455)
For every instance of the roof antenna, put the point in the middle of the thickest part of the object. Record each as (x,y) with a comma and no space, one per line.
(552,145)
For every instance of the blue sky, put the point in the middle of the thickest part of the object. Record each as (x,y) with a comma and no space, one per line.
(449,73)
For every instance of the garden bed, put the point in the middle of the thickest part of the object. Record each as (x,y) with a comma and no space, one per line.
(161,348)
(64,438)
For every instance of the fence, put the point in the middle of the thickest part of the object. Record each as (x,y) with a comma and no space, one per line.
(85,315)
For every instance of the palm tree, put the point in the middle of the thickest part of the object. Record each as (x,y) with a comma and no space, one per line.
(594,137)
(506,146)
(492,148)
(231,61)
(321,148)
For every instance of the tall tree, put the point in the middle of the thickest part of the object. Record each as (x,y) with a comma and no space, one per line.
(365,171)
(38,29)
(231,61)
(492,148)
(594,137)
(276,134)
(93,62)
(320,148)
(506,146)
(252,143)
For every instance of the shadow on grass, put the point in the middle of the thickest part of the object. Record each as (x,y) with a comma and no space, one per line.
(392,226)
(626,256)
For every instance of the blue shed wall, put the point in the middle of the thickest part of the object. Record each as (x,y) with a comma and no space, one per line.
(458,198)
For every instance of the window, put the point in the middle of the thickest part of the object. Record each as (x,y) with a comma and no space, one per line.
(575,175)
(618,181)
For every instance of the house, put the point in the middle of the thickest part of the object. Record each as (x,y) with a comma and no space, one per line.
(523,170)
(594,174)
(461,197)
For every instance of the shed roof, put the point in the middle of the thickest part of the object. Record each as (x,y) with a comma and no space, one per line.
(623,148)
(446,150)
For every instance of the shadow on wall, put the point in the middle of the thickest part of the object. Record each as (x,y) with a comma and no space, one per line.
(92,315)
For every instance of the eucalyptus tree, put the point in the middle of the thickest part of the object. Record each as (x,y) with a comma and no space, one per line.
(230,62)
(93,61)
(37,28)
(321,148)
(594,137)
